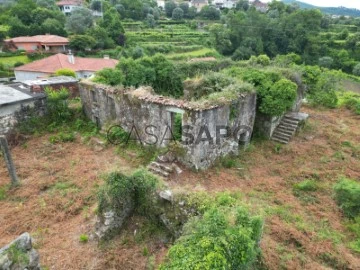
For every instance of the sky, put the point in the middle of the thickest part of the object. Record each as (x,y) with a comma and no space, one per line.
(330,3)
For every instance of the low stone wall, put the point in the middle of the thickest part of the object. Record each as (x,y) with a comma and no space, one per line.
(19,255)
(150,118)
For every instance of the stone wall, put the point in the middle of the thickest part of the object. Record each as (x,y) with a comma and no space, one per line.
(14,113)
(19,255)
(151,118)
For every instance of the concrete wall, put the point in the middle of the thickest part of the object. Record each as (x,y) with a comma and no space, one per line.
(206,126)
(29,75)
(12,114)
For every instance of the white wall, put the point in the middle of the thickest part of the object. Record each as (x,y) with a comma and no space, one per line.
(29,75)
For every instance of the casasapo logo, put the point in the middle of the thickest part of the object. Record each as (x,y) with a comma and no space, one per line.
(190,135)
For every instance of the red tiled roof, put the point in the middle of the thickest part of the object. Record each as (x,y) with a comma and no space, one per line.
(45,39)
(58,61)
(69,3)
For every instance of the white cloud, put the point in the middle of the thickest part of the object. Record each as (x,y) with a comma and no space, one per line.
(330,3)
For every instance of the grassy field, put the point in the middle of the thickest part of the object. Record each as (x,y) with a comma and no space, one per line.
(11,61)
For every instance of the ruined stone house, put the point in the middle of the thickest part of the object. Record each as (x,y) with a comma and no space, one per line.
(209,130)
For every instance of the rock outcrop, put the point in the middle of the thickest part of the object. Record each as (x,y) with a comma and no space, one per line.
(19,255)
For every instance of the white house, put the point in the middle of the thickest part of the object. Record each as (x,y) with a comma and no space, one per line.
(67,6)
(83,67)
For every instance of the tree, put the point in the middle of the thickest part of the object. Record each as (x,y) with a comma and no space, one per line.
(82,42)
(79,21)
(356,70)
(96,5)
(53,26)
(242,5)
(150,21)
(177,14)
(191,14)
(103,41)
(221,38)
(210,13)
(169,7)
(112,23)
(185,7)
(326,62)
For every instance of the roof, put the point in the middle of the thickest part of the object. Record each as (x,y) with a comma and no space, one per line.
(69,3)
(58,61)
(199,2)
(15,93)
(51,81)
(40,39)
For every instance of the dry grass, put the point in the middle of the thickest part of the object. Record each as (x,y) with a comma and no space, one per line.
(56,202)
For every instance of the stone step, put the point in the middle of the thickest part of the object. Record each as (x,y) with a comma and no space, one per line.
(281,136)
(289,121)
(280,140)
(287,127)
(286,131)
(161,166)
(158,171)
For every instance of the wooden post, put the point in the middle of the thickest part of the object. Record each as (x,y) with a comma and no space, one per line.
(9,162)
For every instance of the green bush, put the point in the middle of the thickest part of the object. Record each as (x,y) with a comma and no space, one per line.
(65,72)
(109,76)
(279,98)
(224,238)
(120,189)
(57,105)
(347,195)
(351,101)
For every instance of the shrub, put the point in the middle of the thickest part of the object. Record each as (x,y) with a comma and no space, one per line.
(57,105)
(109,76)
(65,72)
(18,64)
(306,185)
(351,101)
(263,60)
(347,195)
(217,241)
(326,62)
(323,93)
(356,70)
(120,190)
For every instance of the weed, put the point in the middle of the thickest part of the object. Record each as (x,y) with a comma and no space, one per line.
(150,263)
(308,185)
(62,137)
(3,191)
(64,188)
(84,238)
(347,195)
(333,261)
(278,147)
(228,162)
(339,155)
(324,231)
(354,227)
(17,255)
(145,252)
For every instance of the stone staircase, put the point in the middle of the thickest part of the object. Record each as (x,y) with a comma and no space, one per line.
(287,127)
(160,169)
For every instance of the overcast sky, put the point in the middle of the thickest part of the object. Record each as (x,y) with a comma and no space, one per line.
(330,3)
